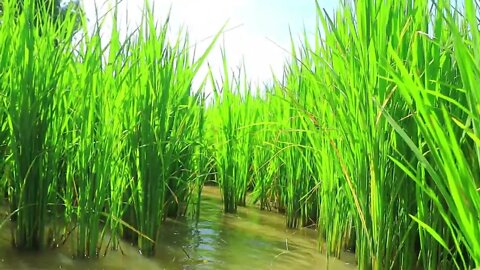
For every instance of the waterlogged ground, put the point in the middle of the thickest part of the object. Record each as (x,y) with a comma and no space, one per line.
(251,239)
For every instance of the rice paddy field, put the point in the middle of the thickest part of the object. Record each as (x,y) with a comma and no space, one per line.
(371,137)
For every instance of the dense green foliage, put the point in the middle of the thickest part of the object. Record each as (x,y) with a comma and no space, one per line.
(55,10)
(95,141)
(371,135)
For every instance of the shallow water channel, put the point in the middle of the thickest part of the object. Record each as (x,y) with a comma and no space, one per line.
(250,239)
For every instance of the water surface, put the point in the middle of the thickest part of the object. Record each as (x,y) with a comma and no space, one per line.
(250,239)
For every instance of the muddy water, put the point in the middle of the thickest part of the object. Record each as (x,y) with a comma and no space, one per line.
(251,239)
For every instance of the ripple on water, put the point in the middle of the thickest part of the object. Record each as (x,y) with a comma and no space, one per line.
(250,239)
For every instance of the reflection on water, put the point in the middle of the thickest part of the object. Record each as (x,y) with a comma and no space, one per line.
(251,239)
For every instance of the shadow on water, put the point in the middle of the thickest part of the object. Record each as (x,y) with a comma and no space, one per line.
(251,239)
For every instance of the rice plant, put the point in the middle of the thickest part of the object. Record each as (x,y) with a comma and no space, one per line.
(34,63)
(362,129)
(102,135)
(367,53)
(371,134)
(446,157)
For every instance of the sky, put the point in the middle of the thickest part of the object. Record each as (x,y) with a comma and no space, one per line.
(258,31)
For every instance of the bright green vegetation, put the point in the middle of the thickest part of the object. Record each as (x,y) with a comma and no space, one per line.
(96,137)
(372,134)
